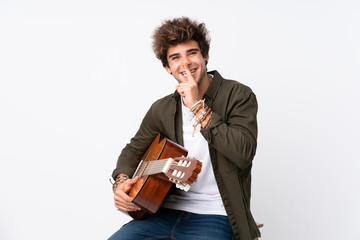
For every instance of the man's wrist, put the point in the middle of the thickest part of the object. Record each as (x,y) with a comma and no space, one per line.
(202,114)
(206,122)
(121,178)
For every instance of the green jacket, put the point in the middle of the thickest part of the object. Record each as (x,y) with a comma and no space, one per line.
(231,135)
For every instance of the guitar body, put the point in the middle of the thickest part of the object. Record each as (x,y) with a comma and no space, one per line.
(149,192)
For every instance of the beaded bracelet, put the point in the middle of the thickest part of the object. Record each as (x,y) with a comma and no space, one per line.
(197,109)
(208,122)
(201,118)
(196,104)
(119,180)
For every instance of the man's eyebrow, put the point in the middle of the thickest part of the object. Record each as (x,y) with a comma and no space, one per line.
(193,50)
(190,50)
(173,55)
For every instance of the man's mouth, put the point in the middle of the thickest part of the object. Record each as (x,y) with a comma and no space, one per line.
(192,72)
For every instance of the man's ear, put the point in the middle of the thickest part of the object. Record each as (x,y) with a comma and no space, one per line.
(168,70)
(206,58)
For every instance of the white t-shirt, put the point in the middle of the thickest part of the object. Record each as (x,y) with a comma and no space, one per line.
(203,196)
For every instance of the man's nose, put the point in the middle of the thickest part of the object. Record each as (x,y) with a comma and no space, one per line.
(186,61)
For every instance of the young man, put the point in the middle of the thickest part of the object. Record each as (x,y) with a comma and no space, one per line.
(221,131)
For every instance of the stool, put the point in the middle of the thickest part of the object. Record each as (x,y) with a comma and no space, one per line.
(259,225)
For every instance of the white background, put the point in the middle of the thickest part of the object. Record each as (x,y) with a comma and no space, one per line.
(78,76)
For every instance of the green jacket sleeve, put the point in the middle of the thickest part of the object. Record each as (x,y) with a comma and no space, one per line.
(131,155)
(233,131)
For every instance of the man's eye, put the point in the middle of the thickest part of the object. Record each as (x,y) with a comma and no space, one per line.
(174,58)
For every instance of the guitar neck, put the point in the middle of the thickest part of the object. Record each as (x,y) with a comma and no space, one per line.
(158,166)
(153,167)
(180,170)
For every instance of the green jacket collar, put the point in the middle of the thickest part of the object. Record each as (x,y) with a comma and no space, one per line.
(214,86)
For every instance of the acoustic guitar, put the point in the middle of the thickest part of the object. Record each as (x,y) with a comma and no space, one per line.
(163,164)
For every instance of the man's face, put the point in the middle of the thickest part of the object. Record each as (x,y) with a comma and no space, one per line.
(189,54)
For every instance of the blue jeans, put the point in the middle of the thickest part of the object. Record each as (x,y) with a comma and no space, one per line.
(168,224)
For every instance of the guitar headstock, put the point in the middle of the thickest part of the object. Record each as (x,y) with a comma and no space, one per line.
(183,171)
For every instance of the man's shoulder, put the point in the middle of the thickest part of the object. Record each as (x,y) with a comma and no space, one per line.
(231,85)
(164,102)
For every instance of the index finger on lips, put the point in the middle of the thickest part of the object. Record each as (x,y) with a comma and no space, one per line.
(188,73)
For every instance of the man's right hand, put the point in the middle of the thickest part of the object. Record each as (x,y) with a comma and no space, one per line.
(122,199)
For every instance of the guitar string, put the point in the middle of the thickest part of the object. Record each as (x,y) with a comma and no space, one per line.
(157,166)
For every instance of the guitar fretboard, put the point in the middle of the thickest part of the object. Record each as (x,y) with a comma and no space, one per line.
(158,166)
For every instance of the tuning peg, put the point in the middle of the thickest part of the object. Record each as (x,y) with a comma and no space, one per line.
(182,186)
(187,188)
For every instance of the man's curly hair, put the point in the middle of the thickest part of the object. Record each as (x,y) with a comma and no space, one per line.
(176,31)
